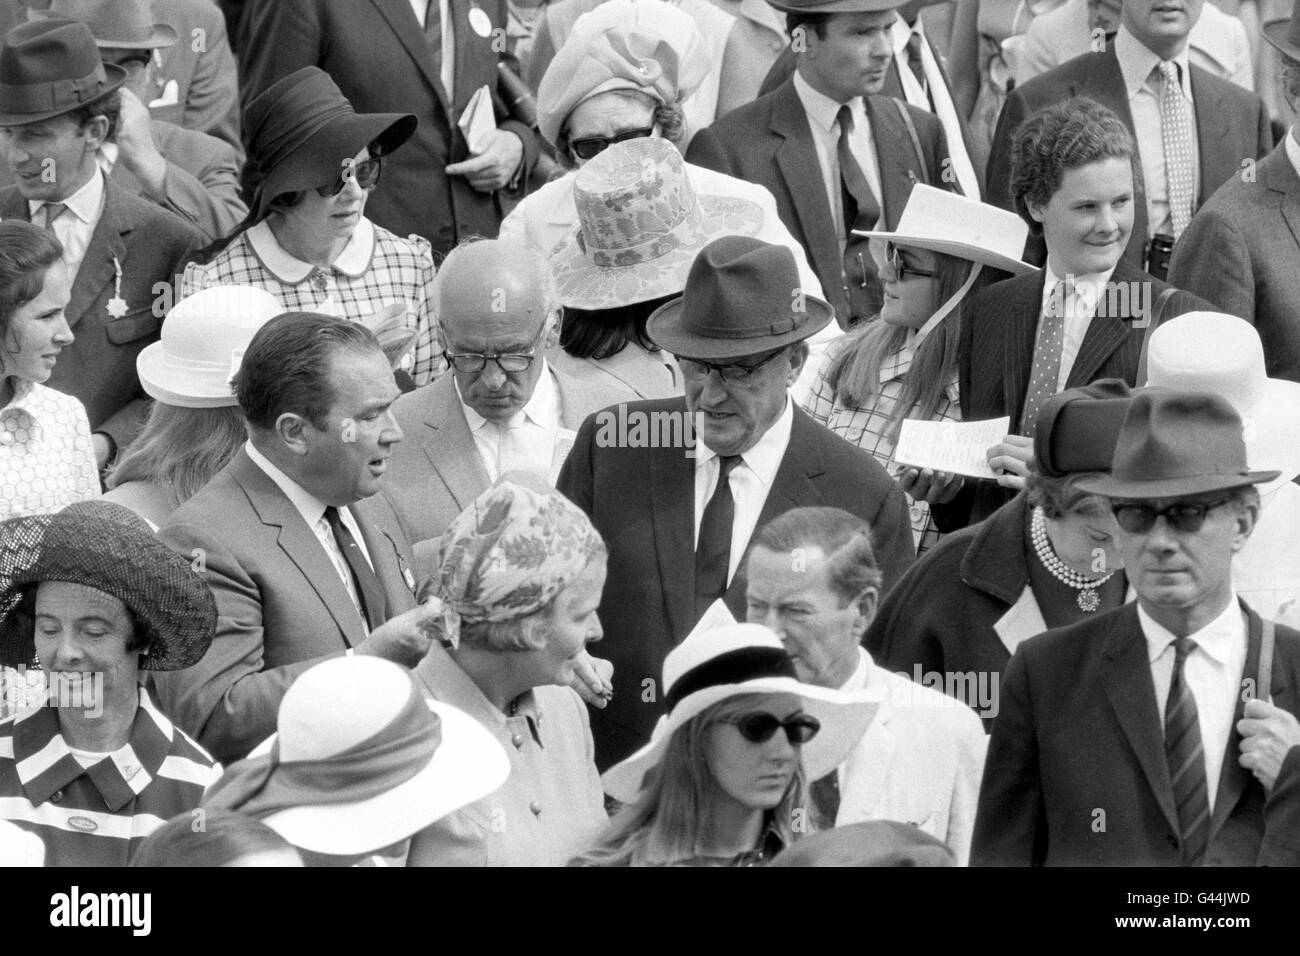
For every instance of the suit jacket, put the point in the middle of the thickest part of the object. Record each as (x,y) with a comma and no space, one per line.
(770,143)
(149,244)
(436,472)
(1242,252)
(1231,126)
(642,502)
(1076,771)
(378,55)
(999,326)
(281,604)
(196,77)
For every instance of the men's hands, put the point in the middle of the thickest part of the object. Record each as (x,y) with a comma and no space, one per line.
(495,166)
(925,484)
(1010,459)
(406,638)
(1267,734)
(136,148)
(592,679)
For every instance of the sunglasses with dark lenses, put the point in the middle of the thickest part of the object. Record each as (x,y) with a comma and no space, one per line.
(759,728)
(734,372)
(901,268)
(1185,516)
(593,146)
(366,173)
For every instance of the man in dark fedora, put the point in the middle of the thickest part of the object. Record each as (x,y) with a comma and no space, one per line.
(836,156)
(1163,732)
(1242,250)
(58,108)
(677,513)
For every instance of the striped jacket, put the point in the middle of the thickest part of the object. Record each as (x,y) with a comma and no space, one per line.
(97,816)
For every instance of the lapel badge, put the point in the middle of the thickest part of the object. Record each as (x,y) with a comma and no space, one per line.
(478,19)
(117,305)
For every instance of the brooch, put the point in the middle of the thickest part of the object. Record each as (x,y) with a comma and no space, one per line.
(117,305)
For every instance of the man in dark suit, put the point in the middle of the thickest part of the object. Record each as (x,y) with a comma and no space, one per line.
(1184,119)
(1242,250)
(677,514)
(119,248)
(1162,733)
(384,57)
(835,157)
(305,560)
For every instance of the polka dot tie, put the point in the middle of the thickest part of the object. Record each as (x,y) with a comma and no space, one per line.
(1176,132)
(1047,355)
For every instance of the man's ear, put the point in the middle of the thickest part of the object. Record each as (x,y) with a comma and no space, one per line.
(797,358)
(865,604)
(1246,519)
(551,338)
(96,133)
(292,431)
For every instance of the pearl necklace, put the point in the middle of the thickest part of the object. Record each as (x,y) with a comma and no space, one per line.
(1087,599)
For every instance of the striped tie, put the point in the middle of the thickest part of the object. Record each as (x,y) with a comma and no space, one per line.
(1187,760)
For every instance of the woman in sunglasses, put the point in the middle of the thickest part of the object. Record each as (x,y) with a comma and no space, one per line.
(306,239)
(903,364)
(725,778)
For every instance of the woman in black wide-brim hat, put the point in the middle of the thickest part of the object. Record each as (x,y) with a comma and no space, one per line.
(306,239)
(89,764)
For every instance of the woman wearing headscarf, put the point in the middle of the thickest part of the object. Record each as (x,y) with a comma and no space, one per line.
(724,780)
(306,239)
(519,575)
(91,598)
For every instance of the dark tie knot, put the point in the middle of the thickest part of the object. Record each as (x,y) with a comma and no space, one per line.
(1182,647)
(728,464)
(845,118)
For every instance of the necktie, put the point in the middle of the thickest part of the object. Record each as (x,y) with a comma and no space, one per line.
(825,795)
(369,592)
(914,61)
(52,210)
(1176,132)
(433,32)
(1187,760)
(713,552)
(861,211)
(1046,369)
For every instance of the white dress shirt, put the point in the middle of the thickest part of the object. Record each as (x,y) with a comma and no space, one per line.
(1213,672)
(448,70)
(822,120)
(1079,310)
(312,510)
(76,224)
(750,482)
(1144,84)
(528,441)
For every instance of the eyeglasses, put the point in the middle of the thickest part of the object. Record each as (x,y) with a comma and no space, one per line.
(759,728)
(732,373)
(894,255)
(1185,516)
(366,173)
(507,361)
(592,146)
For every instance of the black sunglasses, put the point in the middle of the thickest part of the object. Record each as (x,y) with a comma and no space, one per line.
(694,368)
(366,173)
(759,728)
(593,146)
(1184,516)
(901,268)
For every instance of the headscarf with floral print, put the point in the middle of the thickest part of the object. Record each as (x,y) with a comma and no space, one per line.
(510,553)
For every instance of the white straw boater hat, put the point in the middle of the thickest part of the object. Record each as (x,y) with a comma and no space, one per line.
(945,222)
(1220,353)
(715,663)
(361,761)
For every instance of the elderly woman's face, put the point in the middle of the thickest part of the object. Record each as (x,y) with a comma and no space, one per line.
(750,775)
(328,218)
(573,623)
(82,635)
(604,117)
(1087,537)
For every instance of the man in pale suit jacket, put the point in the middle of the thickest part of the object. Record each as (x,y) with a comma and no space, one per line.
(305,560)
(1242,250)
(479,419)
(813,580)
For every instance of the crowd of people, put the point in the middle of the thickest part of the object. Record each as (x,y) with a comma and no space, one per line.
(524,433)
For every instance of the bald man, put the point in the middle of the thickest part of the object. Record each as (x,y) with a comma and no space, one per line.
(500,407)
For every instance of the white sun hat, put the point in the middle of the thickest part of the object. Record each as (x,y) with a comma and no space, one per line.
(361,761)
(715,663)
(1222,354)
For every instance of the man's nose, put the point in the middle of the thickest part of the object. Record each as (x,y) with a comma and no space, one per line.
(392,432)
(493,377)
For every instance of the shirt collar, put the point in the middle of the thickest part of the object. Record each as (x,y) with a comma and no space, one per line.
(308,505)
(539,409)
(1215,639)
(764,459)
(823,110)
(353,261)
(449,683)
(84,203)
(1089,286)
(1136,62)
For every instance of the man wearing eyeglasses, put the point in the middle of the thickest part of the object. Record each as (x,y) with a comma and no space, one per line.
(1164,732)
(501,407)
(677,513)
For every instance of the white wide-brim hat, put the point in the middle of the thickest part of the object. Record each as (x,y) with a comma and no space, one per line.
(941,221)
(203,341)
(1222,354)
(717,663)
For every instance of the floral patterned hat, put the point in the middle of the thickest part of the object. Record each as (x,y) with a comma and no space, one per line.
(640,224)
